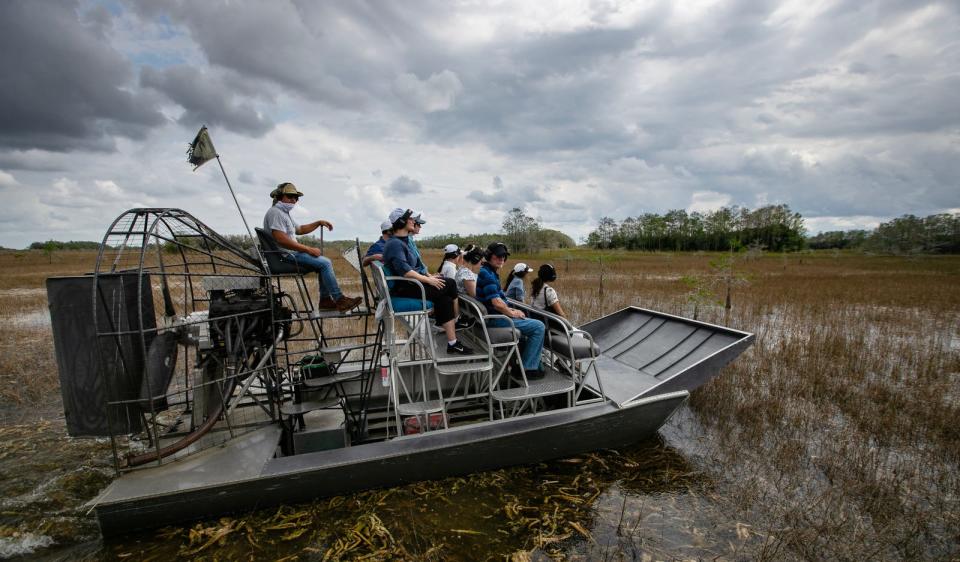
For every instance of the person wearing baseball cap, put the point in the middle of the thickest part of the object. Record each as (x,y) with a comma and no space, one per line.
(375,251)
(515,288)
(399,259)
(418,222)
(490,293)
(284,230)
(452,259)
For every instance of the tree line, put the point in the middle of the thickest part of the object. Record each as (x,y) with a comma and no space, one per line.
(519,231)
(909,234)
(774,227)
(56,245)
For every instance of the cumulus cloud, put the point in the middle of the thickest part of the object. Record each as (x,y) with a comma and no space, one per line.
(7,179)
(706,201)
(521,196)
(404,185)
(436,93)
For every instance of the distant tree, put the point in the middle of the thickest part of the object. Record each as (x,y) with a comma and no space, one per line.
(520,231)
(48,249)
(838,239)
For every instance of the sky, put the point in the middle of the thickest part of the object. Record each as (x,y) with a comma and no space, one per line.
(846,110)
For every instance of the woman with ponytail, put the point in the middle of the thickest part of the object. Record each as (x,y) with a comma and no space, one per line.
(469,267)
(452,258)
(514,284)
(544,296)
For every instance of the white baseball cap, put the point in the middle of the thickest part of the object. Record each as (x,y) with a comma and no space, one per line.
(385,226)
(521,267)
(451,248)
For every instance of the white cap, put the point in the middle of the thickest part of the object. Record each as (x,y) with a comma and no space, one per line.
(521,267)
(386,225)
(451,248)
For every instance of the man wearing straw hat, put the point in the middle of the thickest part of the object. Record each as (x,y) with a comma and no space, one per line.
(284,229)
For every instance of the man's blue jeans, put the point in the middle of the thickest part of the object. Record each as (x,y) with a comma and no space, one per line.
(531,340)
(324,268)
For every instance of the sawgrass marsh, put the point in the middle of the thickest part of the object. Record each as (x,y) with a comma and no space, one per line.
(835,436)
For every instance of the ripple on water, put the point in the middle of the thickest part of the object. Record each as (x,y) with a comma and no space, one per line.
(21,544)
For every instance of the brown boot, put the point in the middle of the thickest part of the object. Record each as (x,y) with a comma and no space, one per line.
(345,303)
(327,303)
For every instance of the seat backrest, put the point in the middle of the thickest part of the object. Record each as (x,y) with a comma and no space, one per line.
(272,254)
(353,257)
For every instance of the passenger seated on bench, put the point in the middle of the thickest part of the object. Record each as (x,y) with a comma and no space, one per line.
(544,297)
(514,288)
(284,230)
(418,222)
(467,272)
(452,259)
(400,260)
(375,251)
(490,294)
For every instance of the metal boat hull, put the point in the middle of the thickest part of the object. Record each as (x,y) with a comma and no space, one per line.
(205,487)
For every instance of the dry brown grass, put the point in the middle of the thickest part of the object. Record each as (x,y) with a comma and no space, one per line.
(839,430)
(836,435)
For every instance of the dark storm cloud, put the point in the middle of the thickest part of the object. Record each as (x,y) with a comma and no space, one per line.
(207,99)
(404,185)
(313,51)
(64,87)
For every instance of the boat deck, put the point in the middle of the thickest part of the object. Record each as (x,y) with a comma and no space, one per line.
(644,352)
(244,459)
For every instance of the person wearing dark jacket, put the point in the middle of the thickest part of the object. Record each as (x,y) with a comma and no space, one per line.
(400,260)
(490,294)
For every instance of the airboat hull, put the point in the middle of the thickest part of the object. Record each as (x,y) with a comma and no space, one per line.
(245,475)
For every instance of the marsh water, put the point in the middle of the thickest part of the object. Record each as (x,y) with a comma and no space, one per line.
(659,499)
(835,436)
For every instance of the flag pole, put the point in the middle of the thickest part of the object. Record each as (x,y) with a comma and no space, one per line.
(242,217)
(201,150)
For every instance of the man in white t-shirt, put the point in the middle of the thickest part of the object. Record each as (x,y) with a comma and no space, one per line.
(284,230)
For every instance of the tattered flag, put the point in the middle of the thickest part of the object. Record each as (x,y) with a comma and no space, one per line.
(201,149)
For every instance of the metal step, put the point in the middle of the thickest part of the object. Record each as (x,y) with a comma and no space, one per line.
(549,385)
(291,409)
(344,373)
(328,314)
(346,347)
(462,368)
(420,408)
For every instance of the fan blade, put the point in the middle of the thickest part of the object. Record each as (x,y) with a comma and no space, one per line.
(168,309)
(160,365)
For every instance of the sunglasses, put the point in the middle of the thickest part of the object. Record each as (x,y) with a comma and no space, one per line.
(294,197)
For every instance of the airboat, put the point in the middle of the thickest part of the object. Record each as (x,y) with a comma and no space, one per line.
(222,389)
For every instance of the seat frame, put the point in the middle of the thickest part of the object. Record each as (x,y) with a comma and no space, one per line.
(578,368)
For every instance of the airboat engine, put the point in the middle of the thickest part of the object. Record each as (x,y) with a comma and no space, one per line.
(173,325)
